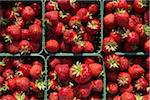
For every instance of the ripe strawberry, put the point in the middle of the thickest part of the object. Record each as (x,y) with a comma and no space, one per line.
(83,14)
(19,21)
(88,37)
(69,36)
(28,13)
(124,64)
(37,21)
(117,98)
(80,73)
(25,34)
(36,71)
(22,83)
(133,38)
(88,46)
(146,17)
(19,6)
(8,73)
(74,21)
(110,6)
(147,62)
(139,6)
(147,76)
(124,79)
(97,85)
(14,31)
(96,69)
(67,60)
(62,71)
(64,16)
(24,46)
(11,84)
(112,88)
(93,9)
(20,96)
(59,29)
(122,4)
(64,47)
(128,88)
(51,6)
(35,47)
(116,35)
(109,45)
(89,60)
(136,71)
(1,80)
(1,47)
(112,62)
(122,18)
(130,48)
(52,46)
(53,84)
(53,96)
(75,7)
(52,75)
(36,7)
(93,26)
(12,47)
(127,96)
(109,21)
(147,46)
(146,97)
(141,84)
(77,48)
(8,97)
(9,14)
(112,76)
(65,93)
(54,62)
(94,97)
(35,32)
(24,69)
(65,4)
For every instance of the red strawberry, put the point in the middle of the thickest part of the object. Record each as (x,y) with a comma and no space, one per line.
(19,21)
(75,7)
(147,46)
(127,96)
(97,85)
(65,93)
(20,95)
(12,47)
(35,47)
(94,97)
(88,37)
(112,76)
(136,71)
(36,71)
(147,76)
(65,47)
(116,35)
(25,34)
(52,75)
(53,84)
(37,63)
(77,48)
(51,6)
(130,48)
(93,9)
(69,36)
(124,79)
(62,71)
(65,4)
(8,73)
(93,26)
(122,18)
(24,46)
(80,73)
(110,6)
(109,45)
(64,16)
(66,60)
(28,13)
(122,4)
(109,21)
(37,21)
(9,14)
(1,81)
(11,83)
(128,88)
(14,31)
(124,64)
(59,29)
(88,46)
(146,17)
(54,62)
(36,7)
(112,62)
(141,84)
(19,6)
(83,14)
(133,38)
(146,97)
(112,88)
(8,97)
(1,47)
(52,46)
(24,69)
(22,83)
(147,62)
(96,69)
(53,96)
(88,60)
(117,98)
(139,6)
(74,21)
(35,32)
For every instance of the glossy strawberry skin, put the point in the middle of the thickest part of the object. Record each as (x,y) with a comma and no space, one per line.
(88,46)
(147,62)
(25,68)
(147,46)
(83,14)
(133,38)
(124,63)
(53,96)
(124,79)
(128,88)
(109,21)
(96,69)
(35,71)
(127,96)
(112,76)
(93,8)
(137,7)
(112,88)
(97,85)
(50,6)
(141,84)
(52,46)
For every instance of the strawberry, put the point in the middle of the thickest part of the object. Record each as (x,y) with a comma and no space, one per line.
(122,18)
(75,7)
(147,62)
(67,60)
(112,76)
(147,76)
(20,96)
(36,71)
(59,29)
(80,73)
(14,31)
(52,46)
(122,4)
(146,17)
(52,75)
(1,80)
(33,98)
(64,47)
(124,64)
(112,88)
(123,89)
(109,45)
(133,38)
(19,6)
(94,97)
(53,84)
(110,6)
(116,35)
(96,69)
(36,7)
(9,14)
(35,47)
(53,96)
(51,6)
(93,9)
(89,60)
(1,47)
(74,21)
(28,13)
(146,97)
(24,46)
(12,47)
(19,21)
(88,46)
(124,79)
(37,21)
(8,73)
(88,37)
(36,62)
(62,70)
(139,6)
(112,62)
(35,32)
(8,97)
(64,16)
(97,85)
(109,21)
(65,4)
(127,96)
(22,83)
(130,48)
(141,84)
(84,14)
(25,34)
(54,62)
(77,48)
(136,71)
(117,98)
(69,36)
(147,46)
(65,93)
(24,69)
(11,84)
(93,26)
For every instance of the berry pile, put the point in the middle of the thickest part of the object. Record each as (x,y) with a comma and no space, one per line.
(21,79)
(126,26)
(127,78)
(20,29)
(73,78)
(72,26)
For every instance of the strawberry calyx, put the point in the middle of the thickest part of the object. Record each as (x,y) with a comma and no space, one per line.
(25,50)
(18,73)
(7,39)
(4,22)
(113,62)
(55,5)
(142,3)
(40,84)
(20,96)
(93,25)
(121,11)
(122,81)
(111,46)
(2,63)
(72,2)
(4,88)
(77,69)
(63,14)
(146,29)
(139,97)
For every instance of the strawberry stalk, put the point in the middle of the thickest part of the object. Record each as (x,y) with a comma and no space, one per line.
(146,29)
(20,96)
(40,84)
